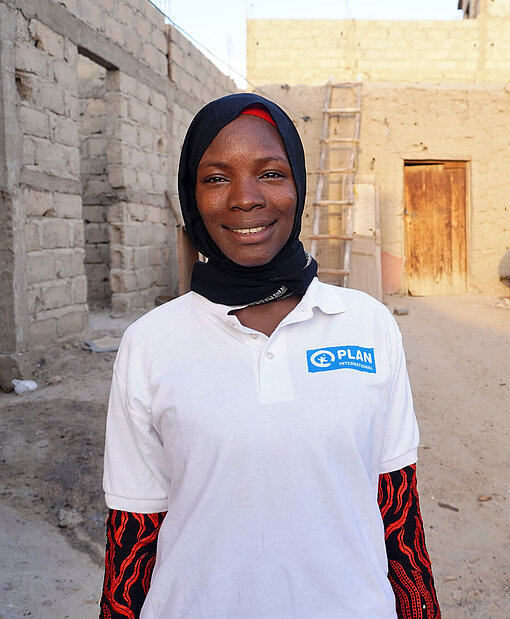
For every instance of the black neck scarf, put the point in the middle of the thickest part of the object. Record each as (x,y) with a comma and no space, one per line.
(220,279)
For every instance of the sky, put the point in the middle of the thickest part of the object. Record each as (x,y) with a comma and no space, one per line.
(220,25)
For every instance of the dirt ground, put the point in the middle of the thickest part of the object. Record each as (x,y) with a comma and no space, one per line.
(458,351)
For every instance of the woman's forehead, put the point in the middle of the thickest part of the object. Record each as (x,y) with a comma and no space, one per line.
(245,133)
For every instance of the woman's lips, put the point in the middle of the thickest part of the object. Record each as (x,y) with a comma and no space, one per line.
(250,230)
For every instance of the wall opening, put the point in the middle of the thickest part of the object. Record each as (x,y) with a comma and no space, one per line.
(97,193)
(435,226)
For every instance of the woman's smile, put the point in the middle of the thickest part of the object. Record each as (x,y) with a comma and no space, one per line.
(246,192)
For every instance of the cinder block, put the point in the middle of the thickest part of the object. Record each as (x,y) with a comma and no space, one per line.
(52,158)
(133,44)
(40,267)
(145,137)
(125,14)
(48,96)
(137,159)
(47,39)
(56,234)
(114,30)
(97,272)
(95,106)
(38,203)
(74,322)
(70,52)
(96,233)
(79,289)
(140,257)
(159,40)
(65,131)
(28,148)
(143,180)
(78,235)
(56,295)
(67,205)
(94,214)
(91,14)
(117,175)
(137,212)
(34,122)
(137,111)
(69,263)
(97,145)
(43,332)
(145,278)
(32,237)
(155,58)
(65,74)
(143,27)
(97,254)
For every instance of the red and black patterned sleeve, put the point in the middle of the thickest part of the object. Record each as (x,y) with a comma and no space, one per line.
(409,568)
(131,541)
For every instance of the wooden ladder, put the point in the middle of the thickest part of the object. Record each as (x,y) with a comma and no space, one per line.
(333,219)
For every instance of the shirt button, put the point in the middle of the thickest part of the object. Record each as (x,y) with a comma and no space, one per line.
(269,355)
(253,336)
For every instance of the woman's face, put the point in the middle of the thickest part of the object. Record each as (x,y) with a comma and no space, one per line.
(245,191)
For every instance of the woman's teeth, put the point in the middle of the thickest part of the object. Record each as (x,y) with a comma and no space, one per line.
(249,230)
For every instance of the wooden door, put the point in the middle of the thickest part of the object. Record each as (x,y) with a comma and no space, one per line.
(435,224)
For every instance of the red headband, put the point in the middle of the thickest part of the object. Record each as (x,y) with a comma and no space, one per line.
(257,109)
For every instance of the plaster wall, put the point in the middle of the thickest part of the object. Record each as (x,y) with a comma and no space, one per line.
(418,121)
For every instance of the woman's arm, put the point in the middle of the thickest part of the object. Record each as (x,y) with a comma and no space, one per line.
(130,556)
(409,569)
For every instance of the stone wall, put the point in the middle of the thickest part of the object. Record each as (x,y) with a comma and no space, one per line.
(95,97)
(309,51)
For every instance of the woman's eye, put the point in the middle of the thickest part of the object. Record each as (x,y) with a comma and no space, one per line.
(215,179)
(272,174)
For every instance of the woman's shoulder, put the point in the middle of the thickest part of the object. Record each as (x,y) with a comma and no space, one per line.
(162,319)
(350,298)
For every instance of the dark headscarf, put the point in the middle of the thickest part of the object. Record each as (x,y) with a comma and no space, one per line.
(220,279)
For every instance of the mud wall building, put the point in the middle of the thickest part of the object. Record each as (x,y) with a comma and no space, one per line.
(95,97)
(435,112)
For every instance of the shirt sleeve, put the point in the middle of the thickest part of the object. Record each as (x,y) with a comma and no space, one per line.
(136,476)
(401,437)
(409,567)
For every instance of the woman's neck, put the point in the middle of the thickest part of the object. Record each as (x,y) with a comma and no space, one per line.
(266,316)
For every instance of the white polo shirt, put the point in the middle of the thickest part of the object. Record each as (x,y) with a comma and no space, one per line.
(266,452)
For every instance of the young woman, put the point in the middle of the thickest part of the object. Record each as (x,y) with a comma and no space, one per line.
(261,439)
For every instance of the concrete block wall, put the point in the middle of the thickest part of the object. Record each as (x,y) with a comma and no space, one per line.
(136,131)
(197,81)
(47,85)
(414,122)
(97,193)
(121,235)
(309,51)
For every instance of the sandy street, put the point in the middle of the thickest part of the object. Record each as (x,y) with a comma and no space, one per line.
(458,351)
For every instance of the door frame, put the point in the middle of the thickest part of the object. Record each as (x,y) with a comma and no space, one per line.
(409,161)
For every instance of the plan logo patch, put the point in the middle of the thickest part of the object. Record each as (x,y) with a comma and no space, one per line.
(339,357)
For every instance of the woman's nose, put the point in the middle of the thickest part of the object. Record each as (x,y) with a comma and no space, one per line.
(246,194)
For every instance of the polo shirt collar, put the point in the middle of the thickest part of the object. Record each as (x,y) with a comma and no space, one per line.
(317,295)
(320,295)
